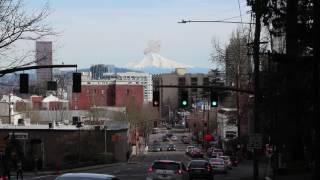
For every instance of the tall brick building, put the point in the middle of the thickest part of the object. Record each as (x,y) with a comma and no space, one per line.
(102,93)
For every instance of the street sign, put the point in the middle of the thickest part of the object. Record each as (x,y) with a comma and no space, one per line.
(18,135)
(255,141)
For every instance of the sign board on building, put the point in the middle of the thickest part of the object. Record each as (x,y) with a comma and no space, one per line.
(255,141)
(19,135)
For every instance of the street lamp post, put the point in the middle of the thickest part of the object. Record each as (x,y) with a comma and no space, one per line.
(105,139)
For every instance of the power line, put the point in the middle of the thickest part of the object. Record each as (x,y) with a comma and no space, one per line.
(214,21)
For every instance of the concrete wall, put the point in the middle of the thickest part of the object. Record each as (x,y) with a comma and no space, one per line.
(58,144)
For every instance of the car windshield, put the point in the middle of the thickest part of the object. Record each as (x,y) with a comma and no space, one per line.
(166,166)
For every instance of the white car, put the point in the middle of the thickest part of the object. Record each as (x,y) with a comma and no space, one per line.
(174,138)
(167,169)
(218,165)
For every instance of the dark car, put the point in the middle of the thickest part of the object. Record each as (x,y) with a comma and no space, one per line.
(171,147)
(165,139)
(200,169)
(169,135)
(86,176)
(234,160)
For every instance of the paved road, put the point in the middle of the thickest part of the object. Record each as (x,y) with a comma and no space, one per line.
(138,170)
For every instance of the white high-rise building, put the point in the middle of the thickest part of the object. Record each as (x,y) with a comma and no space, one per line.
(144,79)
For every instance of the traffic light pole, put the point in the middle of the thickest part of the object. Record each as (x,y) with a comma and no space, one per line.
(208,87)
(12,70)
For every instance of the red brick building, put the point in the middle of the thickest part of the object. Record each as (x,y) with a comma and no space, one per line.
(115,94)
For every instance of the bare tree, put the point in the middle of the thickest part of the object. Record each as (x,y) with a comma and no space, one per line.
(18,24)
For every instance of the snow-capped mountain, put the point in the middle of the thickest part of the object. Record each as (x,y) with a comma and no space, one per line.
(154,63)
(158,61)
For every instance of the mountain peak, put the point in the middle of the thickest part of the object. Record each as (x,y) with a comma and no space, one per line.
(153,59)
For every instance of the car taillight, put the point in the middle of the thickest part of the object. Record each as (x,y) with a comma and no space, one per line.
(179,171)
(188,169)
(150,169)
(209,168)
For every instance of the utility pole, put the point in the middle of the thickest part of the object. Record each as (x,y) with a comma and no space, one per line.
(316,109)
(256,49)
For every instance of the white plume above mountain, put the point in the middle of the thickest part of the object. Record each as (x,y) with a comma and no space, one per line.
(152,58)
(156,60)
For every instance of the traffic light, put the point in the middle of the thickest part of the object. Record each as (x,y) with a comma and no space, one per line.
(155,99)
(184,101)
(76,84)
(213,99)
(24,83)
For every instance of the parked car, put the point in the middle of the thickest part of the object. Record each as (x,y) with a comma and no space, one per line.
(167,169)
(227,161)
(171,147)
(218,165)
(155,130)
(185,140)
(155,148)
(199,169)
(169,135)
(89,176)
(165,139)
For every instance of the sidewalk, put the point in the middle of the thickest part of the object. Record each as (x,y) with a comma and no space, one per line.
(42,173)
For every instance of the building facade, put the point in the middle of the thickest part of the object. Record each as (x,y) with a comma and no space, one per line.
(144,79)
(98,70)
(170,96)
(44,57)
(106,93)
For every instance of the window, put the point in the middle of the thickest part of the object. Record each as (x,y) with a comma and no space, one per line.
(182,81)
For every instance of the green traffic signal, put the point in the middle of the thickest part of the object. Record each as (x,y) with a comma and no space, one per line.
(214,103)
(184,103)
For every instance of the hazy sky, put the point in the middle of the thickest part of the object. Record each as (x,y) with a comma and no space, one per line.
(117,31)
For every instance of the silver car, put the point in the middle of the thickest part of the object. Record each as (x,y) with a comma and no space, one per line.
(86,176)
(167,169)
(218,165)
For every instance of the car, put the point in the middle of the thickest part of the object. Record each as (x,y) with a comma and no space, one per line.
(196,153)
(218,165)
(174,138)
(234,160)
(86,176)
(169,135)
(167,169)
(155,130)
(155,148)
(165,139)
(171,147)
(199,169)
(185,140)
(189,149)
(227,161)
(217,152)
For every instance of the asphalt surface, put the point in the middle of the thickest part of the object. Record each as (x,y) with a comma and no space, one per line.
(137,168)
